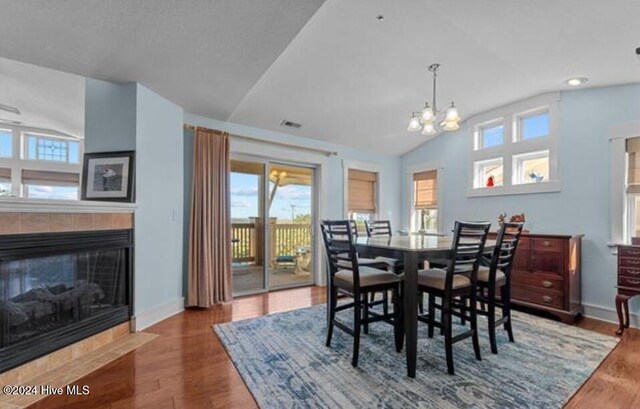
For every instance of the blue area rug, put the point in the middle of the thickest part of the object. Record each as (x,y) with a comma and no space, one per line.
(283,361)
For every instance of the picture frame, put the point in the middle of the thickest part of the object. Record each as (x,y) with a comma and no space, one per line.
(109,176)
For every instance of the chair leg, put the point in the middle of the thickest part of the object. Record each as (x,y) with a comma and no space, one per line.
(331,304)
(365,313)
(448,334)
(463,310)
(491,302)
(357,314)
(398,320)
(506,310)
(421,302)
(473,318)
(373,297)
(431,300)
(385,303)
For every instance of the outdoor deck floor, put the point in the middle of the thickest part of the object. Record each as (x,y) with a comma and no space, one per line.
(250,278)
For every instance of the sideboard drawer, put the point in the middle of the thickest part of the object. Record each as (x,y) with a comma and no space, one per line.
(629,251)
(629,262)
(629,271)
(549,262)
(540,297)
(539,281)
(633,282)
(545,244)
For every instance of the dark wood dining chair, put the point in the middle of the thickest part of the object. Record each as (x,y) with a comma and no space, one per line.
(457,281)
(378,227)
(382,228)
(497,276)
(348,278)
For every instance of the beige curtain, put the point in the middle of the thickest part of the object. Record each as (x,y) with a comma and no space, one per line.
(362,191)
(425,190)
(210,228)
(633,171)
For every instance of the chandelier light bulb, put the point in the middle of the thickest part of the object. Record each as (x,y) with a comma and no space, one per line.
(427,114)
(452,114)
(414,124)
(428,129)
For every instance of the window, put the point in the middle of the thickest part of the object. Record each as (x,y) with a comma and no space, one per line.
(50,185)
(5,182)
(531,167)
(362,196)
(515,149)
(6,143)
(533,126)
(633,187)
(489,173)
(425,201)
(52,149)
(491,136)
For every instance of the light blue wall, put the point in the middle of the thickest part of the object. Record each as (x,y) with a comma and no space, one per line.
(582,206)
(110,116)
(159,199)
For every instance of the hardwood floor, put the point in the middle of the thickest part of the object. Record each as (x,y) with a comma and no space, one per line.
(187,367)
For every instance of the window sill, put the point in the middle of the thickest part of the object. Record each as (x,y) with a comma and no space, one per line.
(18,204)
(533,188)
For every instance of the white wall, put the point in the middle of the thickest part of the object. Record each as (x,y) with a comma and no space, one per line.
(582,206)
(159,213)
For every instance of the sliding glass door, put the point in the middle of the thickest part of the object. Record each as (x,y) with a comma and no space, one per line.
(273,215)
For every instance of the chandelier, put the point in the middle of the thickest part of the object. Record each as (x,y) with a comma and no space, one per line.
(430,117)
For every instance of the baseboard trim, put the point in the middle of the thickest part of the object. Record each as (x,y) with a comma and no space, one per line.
(609,314)
(156,314)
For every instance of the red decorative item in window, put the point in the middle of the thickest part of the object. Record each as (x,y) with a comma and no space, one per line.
(490,182)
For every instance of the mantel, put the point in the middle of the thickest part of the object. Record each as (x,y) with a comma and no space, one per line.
(12,204)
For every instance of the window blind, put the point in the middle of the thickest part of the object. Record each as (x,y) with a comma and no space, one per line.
(362,191)
(5,175)
(633,170)
(49,178)
(425,190)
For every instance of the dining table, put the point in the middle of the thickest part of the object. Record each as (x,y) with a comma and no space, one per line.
(411,250)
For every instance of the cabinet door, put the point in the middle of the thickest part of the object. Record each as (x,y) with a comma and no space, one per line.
(547,262)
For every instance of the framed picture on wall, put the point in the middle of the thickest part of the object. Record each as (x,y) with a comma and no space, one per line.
(108,176)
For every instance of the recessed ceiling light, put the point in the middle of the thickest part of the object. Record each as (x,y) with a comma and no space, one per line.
(380,17)
(576,81)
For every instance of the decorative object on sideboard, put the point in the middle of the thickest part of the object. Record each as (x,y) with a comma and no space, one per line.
(518,218)
(109,176)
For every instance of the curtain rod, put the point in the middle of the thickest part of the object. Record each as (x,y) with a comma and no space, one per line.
(275,143)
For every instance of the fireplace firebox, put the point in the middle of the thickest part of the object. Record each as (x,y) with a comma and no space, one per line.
(58,288)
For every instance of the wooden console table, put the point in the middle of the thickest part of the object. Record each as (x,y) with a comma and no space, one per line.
(628,282)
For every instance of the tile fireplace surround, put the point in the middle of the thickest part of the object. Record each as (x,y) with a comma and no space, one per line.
(68,363)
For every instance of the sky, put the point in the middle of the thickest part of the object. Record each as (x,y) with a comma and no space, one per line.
(244,198)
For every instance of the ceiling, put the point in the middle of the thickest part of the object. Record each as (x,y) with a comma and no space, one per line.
(47,99)
(331,66)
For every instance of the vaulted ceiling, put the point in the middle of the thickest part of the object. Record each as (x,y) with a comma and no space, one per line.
(332,66)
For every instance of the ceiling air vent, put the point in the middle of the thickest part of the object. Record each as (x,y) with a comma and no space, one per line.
(290,124)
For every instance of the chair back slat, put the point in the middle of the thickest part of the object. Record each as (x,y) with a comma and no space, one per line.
(505,249)
(338,239)
(469,239)
(378,228)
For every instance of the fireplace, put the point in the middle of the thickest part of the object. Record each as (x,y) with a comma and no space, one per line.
(58,288)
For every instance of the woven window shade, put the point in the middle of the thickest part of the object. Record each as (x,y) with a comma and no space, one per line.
(362,191)
(49,178)
(5,175)
(633,171)
(426,190)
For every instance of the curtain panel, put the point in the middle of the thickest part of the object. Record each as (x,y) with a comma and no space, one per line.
(209,276)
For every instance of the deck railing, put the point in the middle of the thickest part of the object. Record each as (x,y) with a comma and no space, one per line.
(285,239)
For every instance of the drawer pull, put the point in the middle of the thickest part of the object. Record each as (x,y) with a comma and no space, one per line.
(547,284)
(548,299)
(633,272)
(634,282)
(629,261)
(634,253)
(546,243)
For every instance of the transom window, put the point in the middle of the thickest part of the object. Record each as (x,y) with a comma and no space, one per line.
(515,149)
(6,143)
(52,149)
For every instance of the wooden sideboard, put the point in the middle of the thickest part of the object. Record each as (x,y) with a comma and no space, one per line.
(546,274)
(628,282)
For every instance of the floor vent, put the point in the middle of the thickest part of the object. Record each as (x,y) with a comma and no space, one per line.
(290,124)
